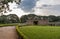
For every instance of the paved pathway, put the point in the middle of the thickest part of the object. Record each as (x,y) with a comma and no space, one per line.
(8,32)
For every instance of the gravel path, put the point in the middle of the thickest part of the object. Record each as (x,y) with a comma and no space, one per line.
(8,32)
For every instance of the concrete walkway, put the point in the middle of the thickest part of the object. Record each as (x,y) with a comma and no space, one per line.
(8,32)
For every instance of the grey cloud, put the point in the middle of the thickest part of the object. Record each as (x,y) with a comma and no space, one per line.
(51,7)
(56,7)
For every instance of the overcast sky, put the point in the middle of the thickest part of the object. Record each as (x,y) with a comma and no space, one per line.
(38,7)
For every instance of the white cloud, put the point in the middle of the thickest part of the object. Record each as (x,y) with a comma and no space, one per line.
(15,10)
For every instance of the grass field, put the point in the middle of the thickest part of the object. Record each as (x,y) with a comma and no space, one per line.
(11,24)
(40,32)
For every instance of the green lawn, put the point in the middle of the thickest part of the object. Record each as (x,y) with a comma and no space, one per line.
(40,32)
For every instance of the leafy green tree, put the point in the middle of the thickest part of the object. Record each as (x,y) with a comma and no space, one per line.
(13,18)
(31,15)
(3,19)
(52,18)
(23,18)
(58,17)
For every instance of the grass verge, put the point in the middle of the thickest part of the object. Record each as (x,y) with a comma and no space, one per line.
(20,33)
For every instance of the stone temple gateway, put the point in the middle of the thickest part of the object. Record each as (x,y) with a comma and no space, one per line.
(41,21)
(37,21)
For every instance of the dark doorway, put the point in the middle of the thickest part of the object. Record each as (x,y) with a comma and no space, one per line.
(35,22)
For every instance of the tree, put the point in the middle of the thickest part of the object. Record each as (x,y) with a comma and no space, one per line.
(52,18)
(13,18)
(23,18)
(58,17)
(4,5)
(3,19)
(31,15)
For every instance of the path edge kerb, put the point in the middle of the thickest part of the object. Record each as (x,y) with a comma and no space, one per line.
(20,33)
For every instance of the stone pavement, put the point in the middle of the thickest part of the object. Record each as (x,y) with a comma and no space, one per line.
(8,32)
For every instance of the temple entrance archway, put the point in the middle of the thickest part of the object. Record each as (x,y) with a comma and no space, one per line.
(35,22)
